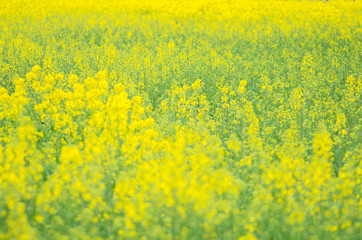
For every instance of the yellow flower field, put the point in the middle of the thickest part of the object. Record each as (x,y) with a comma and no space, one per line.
(191,119)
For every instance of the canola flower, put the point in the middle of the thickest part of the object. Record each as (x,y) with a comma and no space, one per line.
(201,120)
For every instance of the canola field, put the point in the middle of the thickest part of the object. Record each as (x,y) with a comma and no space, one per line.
(190,119)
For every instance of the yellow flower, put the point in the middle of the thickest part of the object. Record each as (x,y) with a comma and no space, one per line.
(39,219)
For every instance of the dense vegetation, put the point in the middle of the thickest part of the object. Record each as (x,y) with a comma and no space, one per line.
(202,120)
